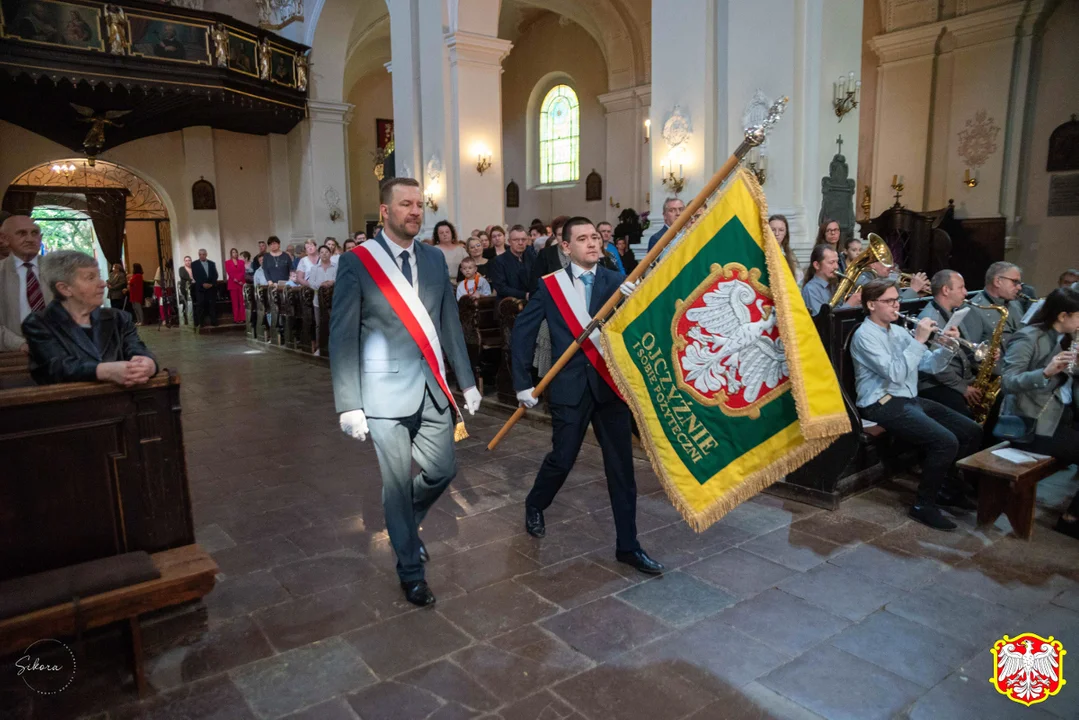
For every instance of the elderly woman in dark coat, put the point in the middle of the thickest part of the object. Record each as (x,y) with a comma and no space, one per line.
(75,339)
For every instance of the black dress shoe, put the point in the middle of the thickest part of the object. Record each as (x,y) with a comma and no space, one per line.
(418,593)
(534,522)
(424,557)
(956,502)
(930,515)
(639,559)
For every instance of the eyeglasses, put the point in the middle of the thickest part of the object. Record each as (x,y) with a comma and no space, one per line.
(889,301)
(1015,281)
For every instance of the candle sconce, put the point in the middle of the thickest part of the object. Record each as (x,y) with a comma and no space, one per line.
(897,185)
(673,183)
(867,203)
(757,164)
(647,129)
(429,198)
(969,180)
(613,203)
(846,92)
(483,163)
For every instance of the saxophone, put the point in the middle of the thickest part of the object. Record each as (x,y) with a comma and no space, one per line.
(989,385)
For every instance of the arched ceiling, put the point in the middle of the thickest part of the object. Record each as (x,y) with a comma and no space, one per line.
(622,28)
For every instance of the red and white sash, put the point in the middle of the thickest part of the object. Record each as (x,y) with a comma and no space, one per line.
(405,301)
(571,306)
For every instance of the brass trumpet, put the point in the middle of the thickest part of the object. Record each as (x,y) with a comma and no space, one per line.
(980,351)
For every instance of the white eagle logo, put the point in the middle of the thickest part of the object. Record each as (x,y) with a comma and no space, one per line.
(729,351)
(1027,673)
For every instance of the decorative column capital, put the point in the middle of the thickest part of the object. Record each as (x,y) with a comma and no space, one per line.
(468,48)
(626,99)
(330,112)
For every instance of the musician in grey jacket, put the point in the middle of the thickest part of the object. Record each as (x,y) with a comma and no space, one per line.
(1040,386)
(381,381)
(951,386)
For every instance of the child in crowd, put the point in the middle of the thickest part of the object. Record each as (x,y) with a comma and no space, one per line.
(474,284)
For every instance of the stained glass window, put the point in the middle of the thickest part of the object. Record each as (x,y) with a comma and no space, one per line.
(560,136)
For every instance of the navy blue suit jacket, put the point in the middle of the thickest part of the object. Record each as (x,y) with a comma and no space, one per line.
(510,277)
(578,376)
(656,236)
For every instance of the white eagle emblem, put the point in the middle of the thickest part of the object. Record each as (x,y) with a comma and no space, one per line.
(730,351)
(1028,675)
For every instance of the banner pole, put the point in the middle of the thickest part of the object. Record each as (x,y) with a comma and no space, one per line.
(754,136)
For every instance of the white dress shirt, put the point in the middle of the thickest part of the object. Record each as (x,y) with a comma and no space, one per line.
(24,304)
(396,250)
(318,275)
(577,272)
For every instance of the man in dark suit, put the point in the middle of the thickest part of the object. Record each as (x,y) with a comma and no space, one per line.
(672,208)
(204,273)
(581,393)
(512,271)
(382,383)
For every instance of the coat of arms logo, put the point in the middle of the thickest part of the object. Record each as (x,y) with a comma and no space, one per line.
(1028,668)
(727,347)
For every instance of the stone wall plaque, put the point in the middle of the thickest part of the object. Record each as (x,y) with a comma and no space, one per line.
(1063,195)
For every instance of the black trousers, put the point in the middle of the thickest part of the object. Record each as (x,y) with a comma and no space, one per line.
(206,306)
(611,422)
(940,432)
(949,398)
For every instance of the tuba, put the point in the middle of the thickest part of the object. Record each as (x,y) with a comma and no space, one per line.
(876,252)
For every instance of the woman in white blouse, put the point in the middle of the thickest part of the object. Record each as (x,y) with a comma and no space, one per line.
(446,241)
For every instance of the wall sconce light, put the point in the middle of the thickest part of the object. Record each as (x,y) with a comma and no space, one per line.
(897,185)
(647,129)
(429,196)
(757,163)
(483,163)
(613,203)
(846,92)
(970,181)
(674,183)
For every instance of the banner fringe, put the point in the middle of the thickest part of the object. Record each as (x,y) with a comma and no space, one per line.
(812,428)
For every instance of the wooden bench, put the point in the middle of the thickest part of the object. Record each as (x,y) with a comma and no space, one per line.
(187,573)
(479,321)
(1006,487)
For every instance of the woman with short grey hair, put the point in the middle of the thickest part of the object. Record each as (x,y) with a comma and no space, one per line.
(75,339)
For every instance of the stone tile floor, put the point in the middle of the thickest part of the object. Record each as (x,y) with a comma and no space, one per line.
(779,611)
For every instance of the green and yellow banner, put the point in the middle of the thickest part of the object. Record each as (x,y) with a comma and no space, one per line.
(721,364)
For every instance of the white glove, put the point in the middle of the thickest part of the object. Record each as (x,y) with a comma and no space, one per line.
(472,400)
(354,424)
(628,288)
(525,398)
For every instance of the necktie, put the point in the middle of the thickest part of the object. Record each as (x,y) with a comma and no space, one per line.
(588,279)
(34,298)
(406,267)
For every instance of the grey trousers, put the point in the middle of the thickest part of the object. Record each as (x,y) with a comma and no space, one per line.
(427,437)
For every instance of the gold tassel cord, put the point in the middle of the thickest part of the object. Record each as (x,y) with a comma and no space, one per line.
(459,432)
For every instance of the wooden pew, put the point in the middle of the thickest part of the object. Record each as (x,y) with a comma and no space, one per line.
(186,573)
(251,305)
(508,309)
(479,320)
(262,304)
(325,302)
(91,470)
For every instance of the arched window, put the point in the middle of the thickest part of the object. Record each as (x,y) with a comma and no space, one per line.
(560,136)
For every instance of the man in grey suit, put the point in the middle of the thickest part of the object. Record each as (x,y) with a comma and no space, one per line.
(953,386)
(22,290)
(382,384)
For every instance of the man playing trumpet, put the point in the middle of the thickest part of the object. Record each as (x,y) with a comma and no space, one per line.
(887,359)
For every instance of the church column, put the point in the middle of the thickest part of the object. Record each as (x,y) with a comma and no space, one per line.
(405,49)
(626,149)
(318,149)
(475,127)
(683,88)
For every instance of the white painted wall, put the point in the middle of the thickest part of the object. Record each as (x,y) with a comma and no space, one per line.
(244,193)
(545,48)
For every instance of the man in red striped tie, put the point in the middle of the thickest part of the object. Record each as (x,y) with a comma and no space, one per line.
(21,289)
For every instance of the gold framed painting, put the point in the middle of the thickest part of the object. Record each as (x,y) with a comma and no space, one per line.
(169,39)
(47,22)
(243,53)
